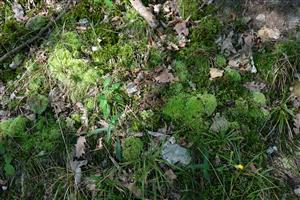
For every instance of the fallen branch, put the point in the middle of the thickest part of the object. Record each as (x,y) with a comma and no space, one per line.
(144,12)
(36,37)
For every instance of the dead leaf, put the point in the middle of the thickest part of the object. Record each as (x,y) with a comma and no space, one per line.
(80,146)
(296,120)
(170,175)
(227,46)
(76,167)
(253,86)
(18,11)
(181,28)
(84,118)
(267,33)
(165,77)
(134,189)
(215,73)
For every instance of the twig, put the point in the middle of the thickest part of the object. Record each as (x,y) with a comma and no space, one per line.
(144,12)
(33,39)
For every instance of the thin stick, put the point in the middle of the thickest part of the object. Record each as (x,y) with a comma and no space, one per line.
(36,37)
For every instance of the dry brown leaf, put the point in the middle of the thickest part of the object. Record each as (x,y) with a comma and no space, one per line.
(181,28)
(215,73)
(165,77)
(267,33)
(80,146)
(170,175)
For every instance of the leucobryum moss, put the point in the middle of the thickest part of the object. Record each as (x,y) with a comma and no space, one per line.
(190,109)
(76,74)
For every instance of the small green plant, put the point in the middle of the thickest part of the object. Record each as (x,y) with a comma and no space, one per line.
(279,127)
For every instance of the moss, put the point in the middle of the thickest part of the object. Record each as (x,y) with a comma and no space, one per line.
(36,23)
(38,103)
(71,41)
(132,148)
(181,70)
(175,106)
(206,32)
(13,127)
(190,109)
(232,75)
(259,98)
(220,60)
(75,74)
(209,102)
(45,135)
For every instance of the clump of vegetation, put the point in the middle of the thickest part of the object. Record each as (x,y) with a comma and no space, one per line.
(232,75)
(13,127)
(133,148)
(190,109)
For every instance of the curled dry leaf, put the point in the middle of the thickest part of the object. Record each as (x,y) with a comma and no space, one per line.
(99,145)
(80,146)
(215,73)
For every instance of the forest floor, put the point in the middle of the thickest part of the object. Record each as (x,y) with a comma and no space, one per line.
(100,104)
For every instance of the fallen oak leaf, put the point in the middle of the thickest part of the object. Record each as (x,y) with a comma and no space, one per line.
(215,73)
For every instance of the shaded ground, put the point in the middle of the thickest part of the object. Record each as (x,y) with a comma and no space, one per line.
(104,107)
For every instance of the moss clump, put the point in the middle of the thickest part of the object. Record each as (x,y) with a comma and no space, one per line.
(45,135)
(232,75)
(190,109)
(132,148)
(181,70)
(71,41)
(38,103)
(259,98)
(75,74)
(206,32)
(13,127)
(220,60)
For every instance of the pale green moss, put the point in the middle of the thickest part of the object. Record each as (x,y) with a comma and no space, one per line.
(259,98)
(190,109)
